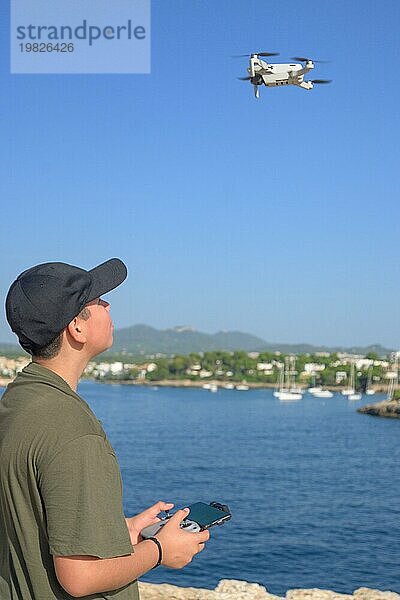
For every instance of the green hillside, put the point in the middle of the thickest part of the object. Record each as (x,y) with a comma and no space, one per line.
(143,339)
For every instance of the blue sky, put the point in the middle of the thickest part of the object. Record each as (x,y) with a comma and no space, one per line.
(278,217)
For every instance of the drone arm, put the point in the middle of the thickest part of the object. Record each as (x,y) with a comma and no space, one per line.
(252,70)
(306,85)
(297,77)
(306,69)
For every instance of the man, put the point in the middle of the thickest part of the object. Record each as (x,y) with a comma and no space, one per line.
(63,533)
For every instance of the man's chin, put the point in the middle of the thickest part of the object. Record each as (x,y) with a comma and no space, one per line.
(110,343)
(105,347)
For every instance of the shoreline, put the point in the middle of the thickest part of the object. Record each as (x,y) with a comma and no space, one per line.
(188,383)
(231,589)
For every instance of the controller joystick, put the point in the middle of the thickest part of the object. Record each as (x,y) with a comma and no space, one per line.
(190,526)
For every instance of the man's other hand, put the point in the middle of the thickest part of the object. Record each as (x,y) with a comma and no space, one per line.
(179,546)
(144,519)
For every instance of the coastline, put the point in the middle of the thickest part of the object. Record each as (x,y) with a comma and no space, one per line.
(188,383)
(241,590)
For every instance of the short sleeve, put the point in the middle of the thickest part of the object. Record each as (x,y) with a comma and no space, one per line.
(81,489)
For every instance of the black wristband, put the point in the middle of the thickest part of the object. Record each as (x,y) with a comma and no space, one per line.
(158,544)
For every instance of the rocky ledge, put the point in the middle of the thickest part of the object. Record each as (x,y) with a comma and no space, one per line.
(241,590)
(386,408)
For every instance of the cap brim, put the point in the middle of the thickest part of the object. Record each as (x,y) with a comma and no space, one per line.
(106,277)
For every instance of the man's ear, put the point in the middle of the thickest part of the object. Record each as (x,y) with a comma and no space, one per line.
(76,330)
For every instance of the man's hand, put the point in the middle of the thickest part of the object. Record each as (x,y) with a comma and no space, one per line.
(148,517)
(85,575)
(179,546)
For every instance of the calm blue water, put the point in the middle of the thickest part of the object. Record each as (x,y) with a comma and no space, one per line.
(313,486)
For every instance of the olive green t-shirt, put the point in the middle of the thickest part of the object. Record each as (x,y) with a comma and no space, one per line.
(60,488)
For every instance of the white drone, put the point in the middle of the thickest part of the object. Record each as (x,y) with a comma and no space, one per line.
(273,75)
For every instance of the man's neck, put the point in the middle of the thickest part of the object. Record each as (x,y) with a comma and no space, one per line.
(68,370)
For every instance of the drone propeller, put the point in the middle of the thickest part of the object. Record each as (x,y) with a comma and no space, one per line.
(257,53)
(304,59)
(321,81)
(255,79)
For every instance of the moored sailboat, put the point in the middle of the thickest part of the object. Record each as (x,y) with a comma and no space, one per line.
(354,395)
(289,391)
(368,390)
(350,391)
(323,394)
(393,380)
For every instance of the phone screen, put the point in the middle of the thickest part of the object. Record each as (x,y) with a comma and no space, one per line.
(206,515)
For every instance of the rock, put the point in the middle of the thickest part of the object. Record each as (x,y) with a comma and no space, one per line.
(229,589)
(367,594)
(316,594)
(164,591)
(386,408)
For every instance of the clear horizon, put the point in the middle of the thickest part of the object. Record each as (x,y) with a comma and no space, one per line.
(276,217)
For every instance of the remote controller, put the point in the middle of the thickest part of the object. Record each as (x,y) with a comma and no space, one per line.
(152,530)
(201,516)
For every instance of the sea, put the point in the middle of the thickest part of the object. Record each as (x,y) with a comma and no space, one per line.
(313,486)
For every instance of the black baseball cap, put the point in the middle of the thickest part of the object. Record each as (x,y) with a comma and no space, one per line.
(45,298)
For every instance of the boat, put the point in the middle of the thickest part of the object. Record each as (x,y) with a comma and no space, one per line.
(350,391)
(211,387)
(393,380)
(228,386)
(294,388)
(323,394)
(288,389)
(279,388)
(242,387)
(314,388)
(290,396)
(353,395)
(368,390)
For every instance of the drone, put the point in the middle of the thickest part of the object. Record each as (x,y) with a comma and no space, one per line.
(274,75)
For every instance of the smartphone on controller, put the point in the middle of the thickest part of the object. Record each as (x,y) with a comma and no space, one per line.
(208,515)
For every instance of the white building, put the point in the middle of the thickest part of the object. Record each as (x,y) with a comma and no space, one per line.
(311,368)
(204,373)
(263,366)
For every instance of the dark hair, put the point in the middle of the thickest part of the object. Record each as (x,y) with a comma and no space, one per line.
(53,348)
(50,350)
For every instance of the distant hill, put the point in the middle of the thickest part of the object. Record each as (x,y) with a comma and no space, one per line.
(11,350)
(143,339)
